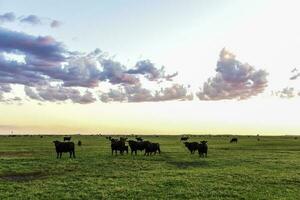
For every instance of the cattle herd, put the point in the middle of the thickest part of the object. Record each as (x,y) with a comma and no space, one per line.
(119,145)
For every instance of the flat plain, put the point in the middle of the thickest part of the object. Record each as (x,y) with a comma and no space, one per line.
(251,169)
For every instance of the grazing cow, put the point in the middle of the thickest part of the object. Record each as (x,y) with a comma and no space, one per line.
(234,140)
(184,138)
(61,147)
(202,149)
(151,148)
(79,143)
(139,139)
(135,146)
(117,145)
(192,146)
(67,138)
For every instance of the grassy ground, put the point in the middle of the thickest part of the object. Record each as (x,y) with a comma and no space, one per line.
(265,169)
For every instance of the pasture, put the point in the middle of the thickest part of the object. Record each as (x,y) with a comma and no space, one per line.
(251,169)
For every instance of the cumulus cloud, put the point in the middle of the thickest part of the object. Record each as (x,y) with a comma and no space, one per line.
(148,69)
(31,19)
(7,17)
(50,72)
(136,93)
(59,93)
(42,48)
(234,80)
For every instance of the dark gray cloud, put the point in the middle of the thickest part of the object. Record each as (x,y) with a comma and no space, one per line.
(136,93)
(234,80)
(7,17)
(148,69)
(31,19)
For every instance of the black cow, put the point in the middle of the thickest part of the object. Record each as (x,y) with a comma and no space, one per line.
(135,146)
(234,140)
(192,146)
(151,148)
(117,145)
(79,143)
(67,138)
(61,147)
(202,149)
(125,149)
(184,138)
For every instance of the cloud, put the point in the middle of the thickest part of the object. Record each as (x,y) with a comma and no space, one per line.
(286,93)
(31,19)
(31,94)
(148,69)
(5,87)
(52,73)
(136,93)
(42,48)
(59,93)
(295,75)
(7,17)
(233,80)
(55,24)
(116,73)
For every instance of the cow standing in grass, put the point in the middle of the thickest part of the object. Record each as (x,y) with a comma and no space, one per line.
(117,145)
(61,147)
(151,148)
(202,149)
(234,140)
(192,146)
(184,138)
(135,146)
(67,138)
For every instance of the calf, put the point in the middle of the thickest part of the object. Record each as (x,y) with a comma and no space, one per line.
(67,138)
(61,147)
(184,138)
(192,146)
(234,140)
(202,149)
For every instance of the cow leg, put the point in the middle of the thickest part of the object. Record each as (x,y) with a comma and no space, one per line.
(57,154)
(60,154)
(70,154)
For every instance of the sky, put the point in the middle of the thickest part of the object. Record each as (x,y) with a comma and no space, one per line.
(149,67)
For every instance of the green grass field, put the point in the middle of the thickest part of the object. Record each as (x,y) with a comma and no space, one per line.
(266,169)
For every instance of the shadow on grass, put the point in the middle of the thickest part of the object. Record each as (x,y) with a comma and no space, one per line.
(189,164)
(22,176)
